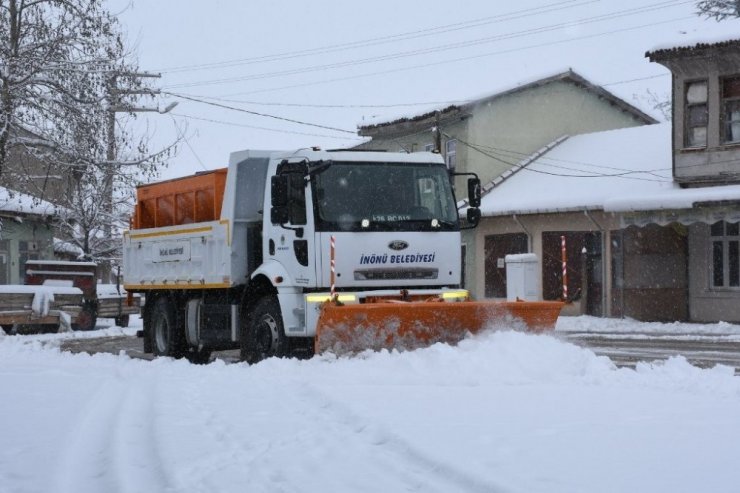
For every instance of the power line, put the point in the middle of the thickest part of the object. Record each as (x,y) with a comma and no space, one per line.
(327,106)
(436,49)
(510,164)
(520,155)
(389,105)
(234,124)
(460,59)
(433,31)
(638,79)
(187,142)
(299,122)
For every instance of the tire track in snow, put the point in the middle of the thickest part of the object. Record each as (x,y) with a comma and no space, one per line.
(284,435)
(109,447)
(229,461)
(392,452)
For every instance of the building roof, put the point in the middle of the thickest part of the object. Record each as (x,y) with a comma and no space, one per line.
(17,202)
(625,170)
(458,111)
(698,46)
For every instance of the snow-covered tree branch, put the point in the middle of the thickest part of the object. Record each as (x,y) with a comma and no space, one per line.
(63,120)
(719,9)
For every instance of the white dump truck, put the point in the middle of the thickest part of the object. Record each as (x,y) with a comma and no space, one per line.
(284,253)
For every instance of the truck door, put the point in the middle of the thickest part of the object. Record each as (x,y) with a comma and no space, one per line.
(290,237)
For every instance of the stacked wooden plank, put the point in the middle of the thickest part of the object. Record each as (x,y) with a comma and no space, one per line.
(17,304)
(115,307)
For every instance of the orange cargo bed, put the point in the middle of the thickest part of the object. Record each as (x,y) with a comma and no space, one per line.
(191,199)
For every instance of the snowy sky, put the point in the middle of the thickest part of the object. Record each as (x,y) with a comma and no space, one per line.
(340,64)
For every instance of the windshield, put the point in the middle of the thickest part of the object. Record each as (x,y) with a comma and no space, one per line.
(384,197)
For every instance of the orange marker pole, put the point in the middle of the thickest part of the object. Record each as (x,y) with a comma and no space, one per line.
(333,266)
(564,256)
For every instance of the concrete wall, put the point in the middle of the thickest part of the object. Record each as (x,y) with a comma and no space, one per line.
(535,225)
(717,163)
(49,182)
(519,124)
(707,304)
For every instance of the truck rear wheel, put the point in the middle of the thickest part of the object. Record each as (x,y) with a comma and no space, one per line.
(263,335)
(166,337)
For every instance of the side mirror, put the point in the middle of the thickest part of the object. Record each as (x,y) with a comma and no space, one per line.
(474,216)
(474,192)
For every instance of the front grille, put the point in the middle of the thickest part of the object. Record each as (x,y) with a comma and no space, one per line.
(395,274)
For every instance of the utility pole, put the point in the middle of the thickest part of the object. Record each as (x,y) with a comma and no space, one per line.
(115,105)
(437,134)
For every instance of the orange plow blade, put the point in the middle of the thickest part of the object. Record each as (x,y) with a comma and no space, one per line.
(347,329)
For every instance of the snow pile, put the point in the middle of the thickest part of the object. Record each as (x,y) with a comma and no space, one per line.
(630,326)
(503,411)
(42,300)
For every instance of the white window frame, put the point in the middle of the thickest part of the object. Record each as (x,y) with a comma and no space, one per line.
(732,121)
(688,106)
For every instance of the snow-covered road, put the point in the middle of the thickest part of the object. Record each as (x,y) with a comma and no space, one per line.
(504,411)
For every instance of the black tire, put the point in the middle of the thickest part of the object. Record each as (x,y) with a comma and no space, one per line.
(199,357)
(7,328)
(167,338)
(87,318)
(122,321)
(262,334)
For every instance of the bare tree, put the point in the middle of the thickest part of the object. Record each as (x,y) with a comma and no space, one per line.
(57,110)
(656,102)
(54,54)
(718,9)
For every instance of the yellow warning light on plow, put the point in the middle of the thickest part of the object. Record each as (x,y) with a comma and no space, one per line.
(320,298)
(455,295)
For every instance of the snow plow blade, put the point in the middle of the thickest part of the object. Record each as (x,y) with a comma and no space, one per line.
(349,329)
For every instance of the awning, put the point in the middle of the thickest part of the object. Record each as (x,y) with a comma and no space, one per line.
(703,213)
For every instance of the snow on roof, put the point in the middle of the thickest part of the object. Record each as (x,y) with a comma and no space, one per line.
(724,33)
(671,199)
(12,201)
(503,90)
(626,170)
(586,171)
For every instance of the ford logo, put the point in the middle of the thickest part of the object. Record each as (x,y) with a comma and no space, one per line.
(398,245)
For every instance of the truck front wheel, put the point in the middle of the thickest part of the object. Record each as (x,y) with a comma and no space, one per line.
(263,335)
(166,338)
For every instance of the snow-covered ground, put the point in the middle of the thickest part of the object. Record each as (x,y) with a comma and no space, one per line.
(502,412)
